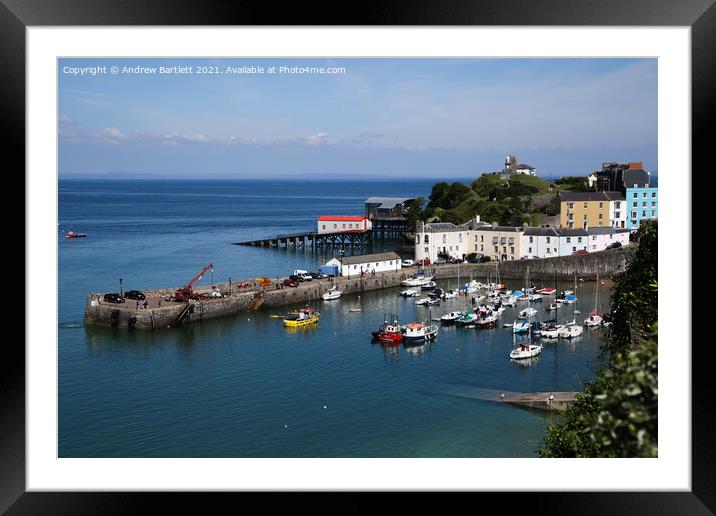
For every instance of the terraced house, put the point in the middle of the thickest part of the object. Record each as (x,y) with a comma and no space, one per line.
(583,210)
(498,242)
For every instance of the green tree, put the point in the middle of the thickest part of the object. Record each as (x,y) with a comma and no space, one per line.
(617,415)
(415,212)
(635,300)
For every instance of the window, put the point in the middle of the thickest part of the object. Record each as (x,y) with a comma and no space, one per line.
(504,248)
(633,215)
(653,204)
(496,249)
(482,238)
(594,237)
(570,216)
(344,226)
(617,215)
(570,205)
(512,250)
(531,239)
(335,226)
(482,248)
(643,204)
(585,205)
(635,194)
(427,239)
(417,239)
(459,237)
(529,250)
(644,195)
(653,213)
(585,216)
(643,213)
(548,240)
(444,239)
(601,205)
(579,240)
(653,195)
(601,216)
(324,226)
(635,204)
(569,240)
(574,249)
(617,205)
(427,250)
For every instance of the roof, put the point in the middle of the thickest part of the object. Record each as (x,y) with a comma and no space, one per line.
(541,231)
(387,202)
(590,196)
(606,231)
(515,229)
(442,227)
(352,218)
(368,258)
(523,165)
(635,176)
(573,232)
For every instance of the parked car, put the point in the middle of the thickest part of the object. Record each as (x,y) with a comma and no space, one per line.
(440,261)
(317,275)
(135,294)
(455,260)
(474,260)
(614,245)
(304,276)
(408,263)
(215,293)
(288,282)
(295,278)
(113,297)
(581,251)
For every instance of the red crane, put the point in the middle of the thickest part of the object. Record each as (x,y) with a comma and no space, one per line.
(187,292)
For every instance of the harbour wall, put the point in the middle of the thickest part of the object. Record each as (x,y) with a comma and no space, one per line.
(97,312)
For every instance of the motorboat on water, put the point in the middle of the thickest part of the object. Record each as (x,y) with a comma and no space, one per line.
(333,293)
(525,350)
(489,321)
(423,301)
(528,312)
(72,234)
(416,281)
(437,293)
(428,286)
(521,326)
(550,329)
(304,317)
(547,291)
(467,318)
(416,332)
(535,297)
(594,319)
(449,294)
(390,332)
(409,293)
(450,318)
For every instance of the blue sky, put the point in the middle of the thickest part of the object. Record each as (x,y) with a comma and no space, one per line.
(382,117)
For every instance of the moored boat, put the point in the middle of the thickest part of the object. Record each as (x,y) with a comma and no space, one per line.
(416,332)
(304,317)
(72,234)
(390,332)
(333,293)
(525,350)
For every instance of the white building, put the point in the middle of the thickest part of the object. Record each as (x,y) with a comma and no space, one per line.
(354,266)
(440,239)
(600,238)
(525,169)
(540,243)
(618,213)
(572,240)
(342,223)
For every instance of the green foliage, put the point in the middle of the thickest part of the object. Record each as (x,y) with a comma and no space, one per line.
(573,184)
(635,295)
(552,208)
(617,415)
(415,211)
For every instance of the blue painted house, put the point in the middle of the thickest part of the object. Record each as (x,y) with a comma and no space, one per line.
(642,199)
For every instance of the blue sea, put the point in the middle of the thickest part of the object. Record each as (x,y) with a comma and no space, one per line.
(244,386)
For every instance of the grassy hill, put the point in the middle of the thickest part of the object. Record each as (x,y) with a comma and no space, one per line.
(521,199)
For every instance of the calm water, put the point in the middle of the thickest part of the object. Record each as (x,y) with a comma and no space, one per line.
(246,387)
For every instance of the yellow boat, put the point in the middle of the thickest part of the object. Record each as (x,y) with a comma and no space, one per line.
(304,317)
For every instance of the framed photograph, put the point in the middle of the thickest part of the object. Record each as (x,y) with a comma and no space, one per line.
(415,254)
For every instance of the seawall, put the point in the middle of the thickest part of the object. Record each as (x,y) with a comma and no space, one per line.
(128,315)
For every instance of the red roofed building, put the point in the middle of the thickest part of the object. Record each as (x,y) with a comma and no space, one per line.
(342,223)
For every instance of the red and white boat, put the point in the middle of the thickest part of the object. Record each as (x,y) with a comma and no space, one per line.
(546,291)
(389,332)
(72,234)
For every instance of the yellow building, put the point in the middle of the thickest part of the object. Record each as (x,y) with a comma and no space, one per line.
(582,210)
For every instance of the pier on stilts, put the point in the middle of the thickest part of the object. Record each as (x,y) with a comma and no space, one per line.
(347,239)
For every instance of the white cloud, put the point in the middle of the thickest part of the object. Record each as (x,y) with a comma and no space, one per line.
(318,139)
(64,119)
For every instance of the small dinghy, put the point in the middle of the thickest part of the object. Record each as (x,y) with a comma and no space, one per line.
(528,312)
(409,293)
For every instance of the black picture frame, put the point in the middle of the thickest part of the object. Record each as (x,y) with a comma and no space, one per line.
(16,15)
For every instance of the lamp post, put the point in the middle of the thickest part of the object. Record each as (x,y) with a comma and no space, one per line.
(121,294)
(229,285)
(212,278)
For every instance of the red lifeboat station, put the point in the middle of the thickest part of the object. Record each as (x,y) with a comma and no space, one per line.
(343,223)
